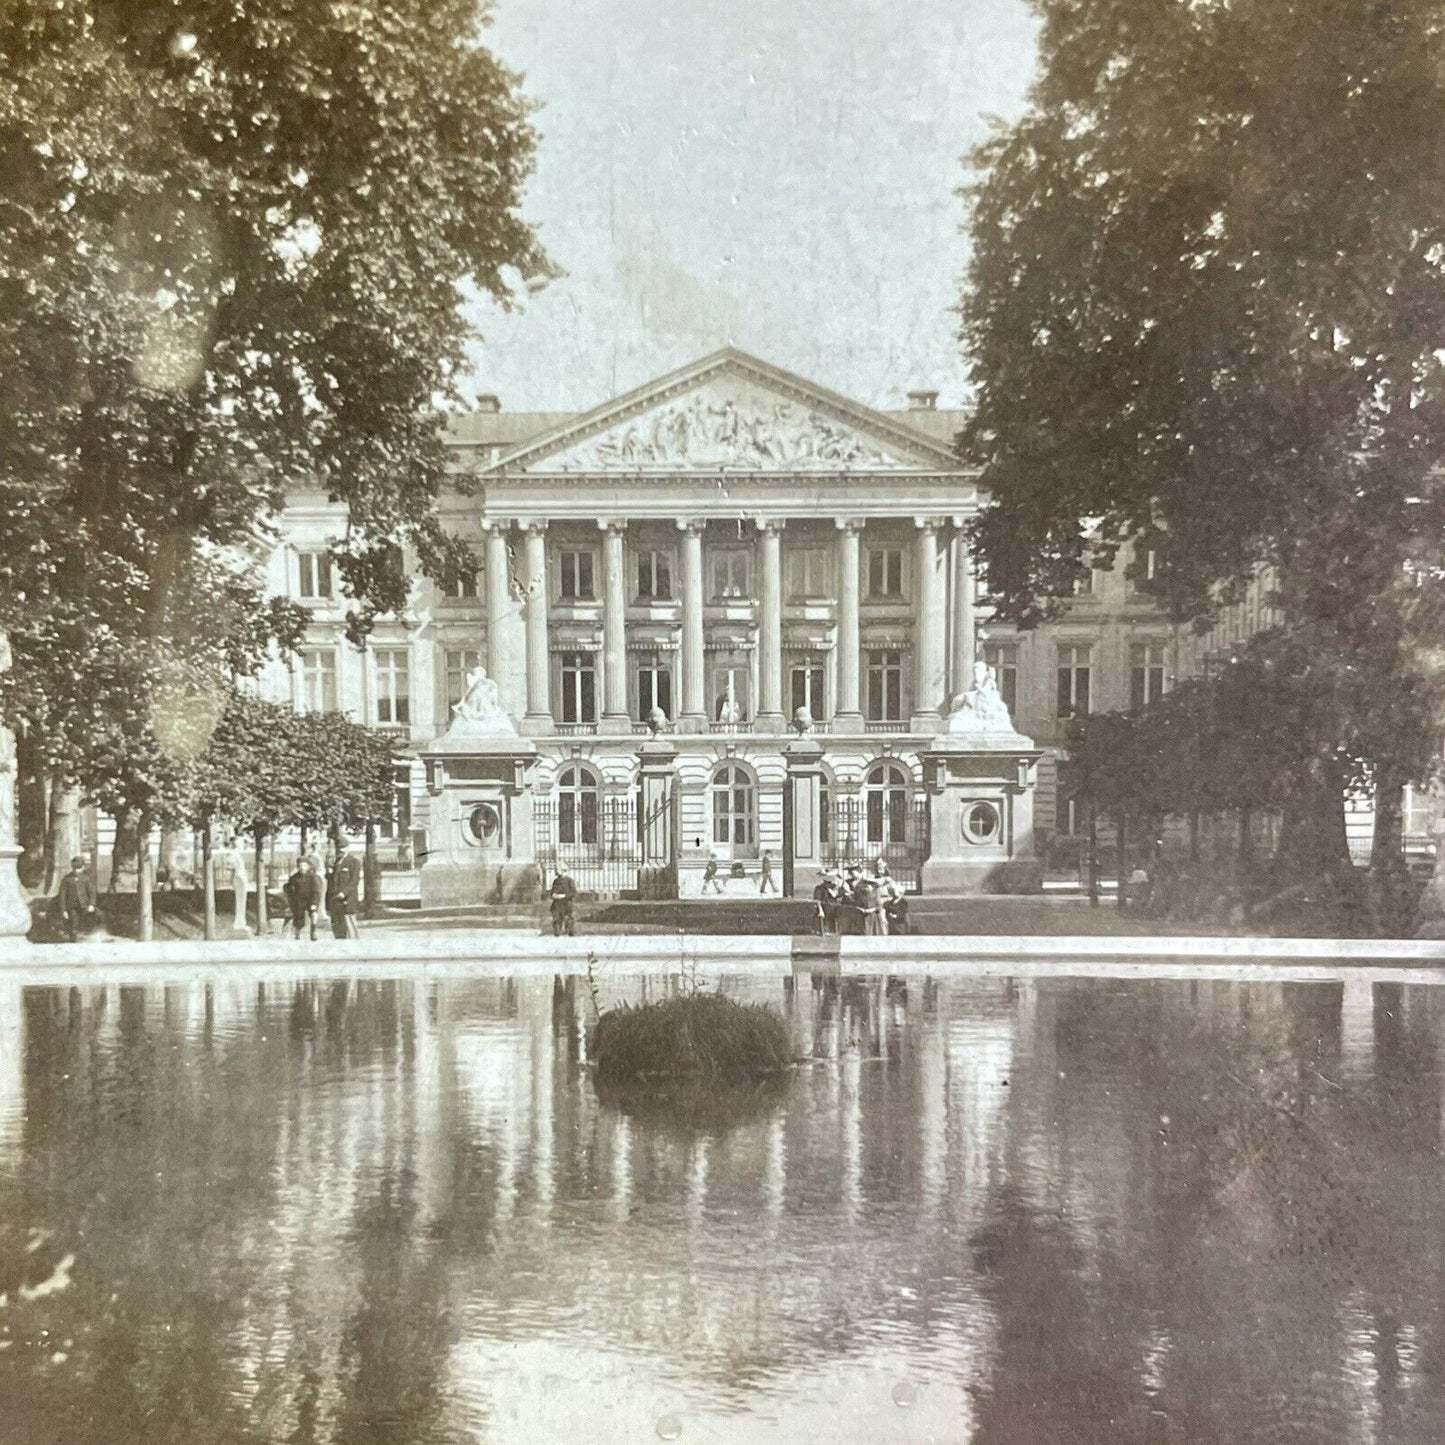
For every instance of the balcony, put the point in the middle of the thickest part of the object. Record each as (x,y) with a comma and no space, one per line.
(575,729)
(730,728)
(895,725)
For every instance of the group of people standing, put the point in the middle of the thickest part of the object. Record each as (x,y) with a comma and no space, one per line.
(311,886)
(852,901)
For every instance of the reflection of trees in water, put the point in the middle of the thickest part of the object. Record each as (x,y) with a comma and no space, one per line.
(1207,1226)
(1092,1204)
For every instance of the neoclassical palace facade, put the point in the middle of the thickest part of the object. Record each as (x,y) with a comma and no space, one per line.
(743,551)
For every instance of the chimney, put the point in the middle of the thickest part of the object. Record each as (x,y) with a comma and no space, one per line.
(922,400)
(489,403)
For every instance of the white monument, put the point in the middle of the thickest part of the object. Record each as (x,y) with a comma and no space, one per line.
(479,845)
(980,775)
(14,910)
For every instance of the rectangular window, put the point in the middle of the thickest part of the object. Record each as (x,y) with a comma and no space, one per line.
(885,572)
(1084,584)
(885,686)
(318,680)
(579,688)
(459,662)
(654,575)
(808,574)
(808,683)
(730,577)
(575,565)
(314,573)
(463,586)
(393,686)
(654,688)
(1073,680)
(732,691)
(1003,657)
(1148,567)
(1146,674)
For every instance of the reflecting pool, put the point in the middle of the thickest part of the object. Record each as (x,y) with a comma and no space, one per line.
(1013,1211)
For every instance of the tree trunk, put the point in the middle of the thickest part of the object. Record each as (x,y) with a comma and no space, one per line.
(1387,852)
(371,874)
(208,880)
(263,920)
(1122,864)
(1312,844)
(62,832)
(144,903)
(1093,856)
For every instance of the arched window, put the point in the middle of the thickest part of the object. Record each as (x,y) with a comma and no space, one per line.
(734,807)
(578,793)
(887,791)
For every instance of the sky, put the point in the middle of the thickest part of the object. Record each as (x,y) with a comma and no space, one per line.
(778,175)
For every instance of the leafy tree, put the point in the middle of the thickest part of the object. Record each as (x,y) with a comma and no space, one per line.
(1204,309)
(232,245)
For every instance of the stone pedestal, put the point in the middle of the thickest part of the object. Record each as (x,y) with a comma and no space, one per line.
(481,842)
(979,775)
(657,770)
(802,818)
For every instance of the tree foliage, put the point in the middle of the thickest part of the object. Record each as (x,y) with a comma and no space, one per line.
(233,241)
(1204,310)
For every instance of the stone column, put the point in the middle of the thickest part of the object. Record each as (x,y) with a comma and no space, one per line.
(802,847)
(929,630)
(538,720)
(849,715)
(963,618)
(14,910)
(504,644)
(770,628)
(694,718)
(614,631)
(657,877)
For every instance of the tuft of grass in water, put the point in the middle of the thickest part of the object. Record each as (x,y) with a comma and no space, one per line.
(698,1036)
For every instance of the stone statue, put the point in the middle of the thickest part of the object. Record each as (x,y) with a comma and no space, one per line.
(482,700)
(480,713)
(235,855)
(981,709)
(656,721)
(730,712)
(802,721)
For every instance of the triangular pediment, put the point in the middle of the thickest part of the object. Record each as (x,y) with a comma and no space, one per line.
(729,412)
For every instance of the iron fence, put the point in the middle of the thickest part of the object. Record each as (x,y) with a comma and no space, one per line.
(597,841)
(898,836)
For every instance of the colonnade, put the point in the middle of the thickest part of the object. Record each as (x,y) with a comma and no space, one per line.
(942,626)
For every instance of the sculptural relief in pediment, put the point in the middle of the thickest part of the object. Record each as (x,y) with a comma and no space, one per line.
(729,423)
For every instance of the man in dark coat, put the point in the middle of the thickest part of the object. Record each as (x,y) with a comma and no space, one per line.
(303,897)
(343,891)
(76,901)
(563,892)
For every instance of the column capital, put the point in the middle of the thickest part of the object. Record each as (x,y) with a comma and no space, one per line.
(495,524)
(769,526)
(533,526)
(612,526)
(930,524)
(693,525)
(849,524)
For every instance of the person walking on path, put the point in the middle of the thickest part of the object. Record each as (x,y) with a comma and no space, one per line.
(709,875)
(76,901)
(303,897)
(343,893)
(235,856)
(765,874)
